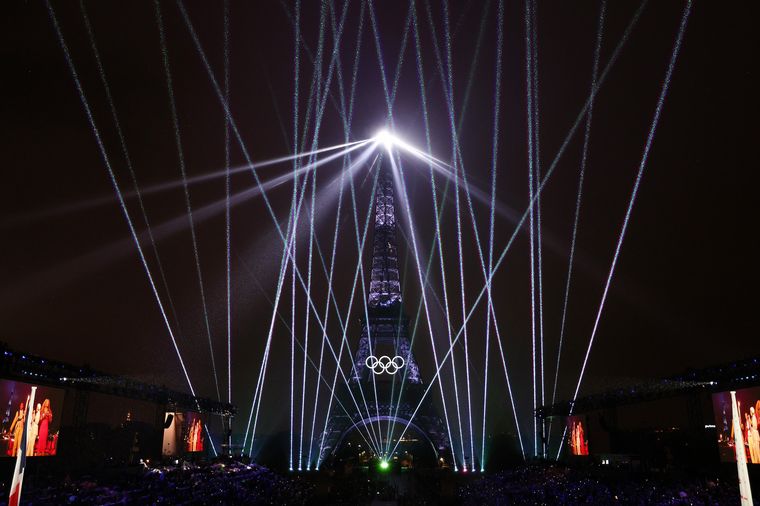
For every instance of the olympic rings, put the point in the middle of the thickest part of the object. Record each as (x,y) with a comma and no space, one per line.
(384,364)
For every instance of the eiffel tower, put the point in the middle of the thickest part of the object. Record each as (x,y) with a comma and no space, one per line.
(385,334)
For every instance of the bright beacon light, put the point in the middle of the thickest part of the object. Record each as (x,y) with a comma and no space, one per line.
(386,138)
(390,140)
(384,465)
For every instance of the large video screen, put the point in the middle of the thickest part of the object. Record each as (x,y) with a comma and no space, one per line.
(183,433)
(44,416)
(577,436)
(748,413)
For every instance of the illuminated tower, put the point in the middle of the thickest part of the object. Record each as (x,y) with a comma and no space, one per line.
(385,333)
(384,357)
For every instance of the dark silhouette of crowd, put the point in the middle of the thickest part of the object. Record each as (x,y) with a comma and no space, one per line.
(183,484)
(230,482)
(549,485)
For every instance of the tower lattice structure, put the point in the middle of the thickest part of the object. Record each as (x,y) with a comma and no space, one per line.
(385,332)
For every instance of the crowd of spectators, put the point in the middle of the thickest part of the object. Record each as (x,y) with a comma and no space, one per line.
(229,482)
(182,484)
(549,485)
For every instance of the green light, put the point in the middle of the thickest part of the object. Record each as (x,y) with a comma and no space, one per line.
(384,465)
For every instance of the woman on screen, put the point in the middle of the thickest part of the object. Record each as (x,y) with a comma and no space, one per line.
(574,439)
(195,443)
(576,447)
(194,436)
(46,416)
(17,428)
(199,436)
(753,437)
(582,443)
(34,427)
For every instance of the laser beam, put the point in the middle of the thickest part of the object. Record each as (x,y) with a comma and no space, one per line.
(183,172)
(122,204)
(576,216)
(547,176)
(634,192)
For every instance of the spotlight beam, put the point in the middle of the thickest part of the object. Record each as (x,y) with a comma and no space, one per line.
(128,162)
(293,267)
(325,318)
(491,221)
(547,176)
(327,305)
(286,324)
(227,217)
(454,145)
(305,45)
(437,240)
(539,236)
(283,265)
(231,119)
(314,91)
(576,216)
(389,102)
(343,326)
(122,204)
(357,163)
(390,94)
(431,163)
(383,138)
(232,122)
(634,193)
(202,178)
(319,115)
(491,313)
(169,185)
(458,153)
(537,167)
(115,250)
(179,223)
(183,172)
(288,248)
(346,131)
(321,109)
(451,175)
(344,341)
(278,293)
(398,174)
(364,305)
(346,116)
(318,78)
(531,189)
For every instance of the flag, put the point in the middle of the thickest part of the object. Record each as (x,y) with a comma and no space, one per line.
(18,473)
(745,493)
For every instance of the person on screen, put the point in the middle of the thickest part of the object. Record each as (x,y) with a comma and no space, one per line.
(576,447)
(46,416)
(573,439)
(753,437)
(193,436)
(17,428)
(576,435)
(199,436)
(189,440)
(582,443)
(194,439)
(34,427)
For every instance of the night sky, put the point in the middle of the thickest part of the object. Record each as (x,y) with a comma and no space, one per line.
(73,288)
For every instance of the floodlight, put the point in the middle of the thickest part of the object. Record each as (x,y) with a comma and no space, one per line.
(386,138)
